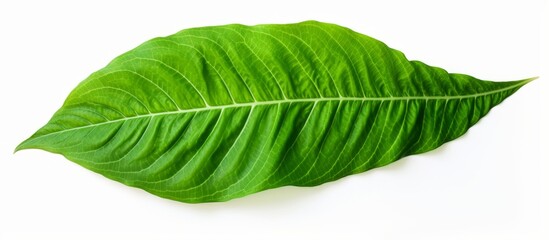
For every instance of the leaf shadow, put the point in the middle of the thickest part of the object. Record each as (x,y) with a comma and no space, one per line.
(283,196)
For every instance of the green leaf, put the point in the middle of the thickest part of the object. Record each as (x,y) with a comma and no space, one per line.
(216,113)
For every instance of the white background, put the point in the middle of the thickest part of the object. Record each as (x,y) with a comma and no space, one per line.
(491,183)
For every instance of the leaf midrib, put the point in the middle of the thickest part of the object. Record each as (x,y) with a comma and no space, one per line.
(253,104)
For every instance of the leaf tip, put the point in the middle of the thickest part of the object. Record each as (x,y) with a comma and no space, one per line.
(22,146)
(521,83)
(18,148)
(530,79)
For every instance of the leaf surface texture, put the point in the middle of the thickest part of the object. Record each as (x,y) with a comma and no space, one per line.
(216,113)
